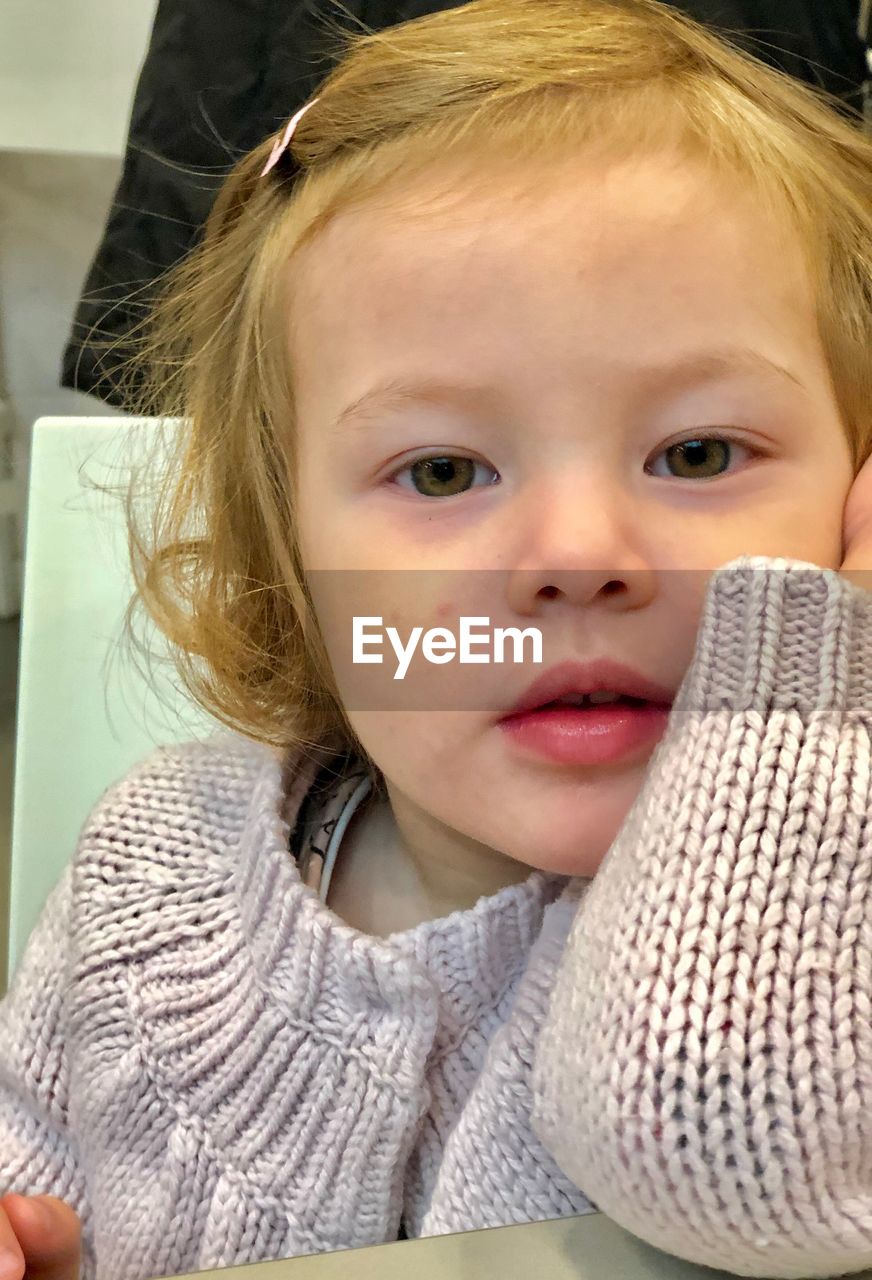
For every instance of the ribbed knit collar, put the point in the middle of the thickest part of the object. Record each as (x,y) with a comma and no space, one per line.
(247,992)
(467,957)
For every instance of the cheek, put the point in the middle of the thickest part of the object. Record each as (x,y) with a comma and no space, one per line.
(811,532)
(373,623)
(548,820)
(802,520)
(327,526)
(411,750)
(810,524)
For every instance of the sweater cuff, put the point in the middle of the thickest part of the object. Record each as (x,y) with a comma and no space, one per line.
(702,1072)
(780,634)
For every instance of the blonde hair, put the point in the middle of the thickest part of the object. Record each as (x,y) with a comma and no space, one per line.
(216,563)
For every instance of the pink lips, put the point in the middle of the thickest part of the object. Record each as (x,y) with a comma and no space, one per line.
(590,677)
(589,735)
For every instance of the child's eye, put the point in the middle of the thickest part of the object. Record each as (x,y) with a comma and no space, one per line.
(443,475)
(701,457)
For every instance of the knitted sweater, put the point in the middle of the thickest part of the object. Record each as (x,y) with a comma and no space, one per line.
(213,1069)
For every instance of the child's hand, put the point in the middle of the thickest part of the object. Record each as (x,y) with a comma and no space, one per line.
(49,1249)
(857,530)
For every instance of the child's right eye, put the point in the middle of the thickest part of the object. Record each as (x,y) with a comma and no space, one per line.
(442,475)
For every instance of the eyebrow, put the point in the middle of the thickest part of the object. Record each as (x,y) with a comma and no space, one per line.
(398,393)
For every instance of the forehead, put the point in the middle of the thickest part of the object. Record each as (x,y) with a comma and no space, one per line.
(577,254)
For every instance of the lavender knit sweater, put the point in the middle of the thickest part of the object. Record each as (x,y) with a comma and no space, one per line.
(213,1069)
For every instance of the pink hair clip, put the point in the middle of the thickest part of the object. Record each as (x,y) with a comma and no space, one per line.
(281,144)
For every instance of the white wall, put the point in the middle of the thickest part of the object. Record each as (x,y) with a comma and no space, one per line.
(67,70)
(67,75)
(53,210)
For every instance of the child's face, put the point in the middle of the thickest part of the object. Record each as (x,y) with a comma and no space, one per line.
(565,302)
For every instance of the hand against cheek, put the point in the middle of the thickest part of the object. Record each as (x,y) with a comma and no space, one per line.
(857,530)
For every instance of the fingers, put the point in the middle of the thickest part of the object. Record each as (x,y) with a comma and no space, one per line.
(11,1257)
(46,1232)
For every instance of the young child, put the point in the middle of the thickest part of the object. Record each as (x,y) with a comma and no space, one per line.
(525,271)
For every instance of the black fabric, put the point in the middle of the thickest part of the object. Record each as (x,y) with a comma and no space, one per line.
(221,75)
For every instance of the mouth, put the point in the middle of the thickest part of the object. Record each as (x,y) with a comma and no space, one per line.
(594,714)
(593,684)
(602,699)
(581,732)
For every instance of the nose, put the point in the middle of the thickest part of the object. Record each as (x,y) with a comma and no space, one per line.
(580,538)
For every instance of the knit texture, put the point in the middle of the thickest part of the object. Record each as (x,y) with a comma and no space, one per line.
(213,1069)
(705,1069)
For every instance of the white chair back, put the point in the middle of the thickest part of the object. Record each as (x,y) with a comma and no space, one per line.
(85,714)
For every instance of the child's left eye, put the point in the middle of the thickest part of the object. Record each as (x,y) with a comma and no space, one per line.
(694,456)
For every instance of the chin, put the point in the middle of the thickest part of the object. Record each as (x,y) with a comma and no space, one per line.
(564,860)
(569,829)
(585,864)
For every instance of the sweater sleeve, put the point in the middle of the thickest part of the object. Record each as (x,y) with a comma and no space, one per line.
(37,1150)
(704,1072)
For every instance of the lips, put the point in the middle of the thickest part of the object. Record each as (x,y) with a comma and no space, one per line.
(568,678)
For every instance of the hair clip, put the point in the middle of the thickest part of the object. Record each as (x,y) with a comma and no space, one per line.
(280,145)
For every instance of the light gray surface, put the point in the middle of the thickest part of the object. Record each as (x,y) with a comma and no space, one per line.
(584,1248)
